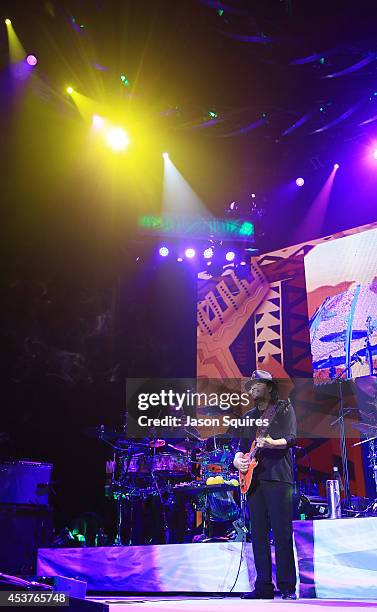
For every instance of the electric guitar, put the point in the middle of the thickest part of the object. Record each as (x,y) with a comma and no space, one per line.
(246,478)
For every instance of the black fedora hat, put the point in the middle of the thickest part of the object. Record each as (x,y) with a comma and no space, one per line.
(260,376)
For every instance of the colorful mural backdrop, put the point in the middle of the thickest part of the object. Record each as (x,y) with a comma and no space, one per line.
(305,311)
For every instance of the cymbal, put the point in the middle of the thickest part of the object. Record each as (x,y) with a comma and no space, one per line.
(109,434)
(156,443)
(184,444)
(341,336)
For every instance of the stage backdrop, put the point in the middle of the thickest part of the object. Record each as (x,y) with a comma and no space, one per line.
(308,310)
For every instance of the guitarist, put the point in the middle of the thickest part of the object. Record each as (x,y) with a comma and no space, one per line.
(270,492)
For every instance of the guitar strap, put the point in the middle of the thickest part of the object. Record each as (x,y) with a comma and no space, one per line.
(269,414)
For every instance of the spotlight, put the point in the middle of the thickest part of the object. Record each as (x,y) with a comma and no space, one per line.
(69,90)
(253,195)
(98,122)
(164,251)
(375,154)
(190,253)
(233,206)
(179,259)
(300,182)
(243,263)
(336,166)
(8,22)
(117,139)
(31,60)
(230,255)
(208,253)
(165,155)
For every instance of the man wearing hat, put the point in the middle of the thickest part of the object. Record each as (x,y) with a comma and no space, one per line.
(270,493)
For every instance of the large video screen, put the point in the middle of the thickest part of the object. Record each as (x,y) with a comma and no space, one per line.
(308,310)
(341,283)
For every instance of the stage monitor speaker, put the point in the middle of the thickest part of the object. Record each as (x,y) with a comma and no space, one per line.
(23,529)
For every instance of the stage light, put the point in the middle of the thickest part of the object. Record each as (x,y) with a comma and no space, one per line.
(208,253)
(375,154)
(253,195)
(8,22)
(243,263)
(190,253)
(165,155)
(31,60)
(233,206)
(300,181)
(336,166)
(98,122)
(117,139)
(230,255)
(163,251)
(69,90)
(124,80)
(179,259)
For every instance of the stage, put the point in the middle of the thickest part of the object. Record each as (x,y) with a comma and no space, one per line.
(216,604)
(336,560)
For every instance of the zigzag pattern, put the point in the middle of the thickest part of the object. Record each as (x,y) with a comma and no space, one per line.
(268,326)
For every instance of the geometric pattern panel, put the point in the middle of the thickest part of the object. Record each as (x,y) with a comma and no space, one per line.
(268,326)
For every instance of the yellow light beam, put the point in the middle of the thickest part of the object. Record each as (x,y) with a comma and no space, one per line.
(86,106)
(178,197)
(16,51)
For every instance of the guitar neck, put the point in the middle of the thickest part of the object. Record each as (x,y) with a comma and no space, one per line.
(253,451)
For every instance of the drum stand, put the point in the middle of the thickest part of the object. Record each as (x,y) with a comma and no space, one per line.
(120,497)
(157,487)
(119,521)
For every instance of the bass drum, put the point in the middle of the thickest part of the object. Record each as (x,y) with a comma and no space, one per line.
(222,506)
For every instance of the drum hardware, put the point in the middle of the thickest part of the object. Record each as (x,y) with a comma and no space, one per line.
(342,411)
(140,471)
(118,460)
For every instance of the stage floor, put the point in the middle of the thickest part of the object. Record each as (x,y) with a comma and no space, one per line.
(227,604)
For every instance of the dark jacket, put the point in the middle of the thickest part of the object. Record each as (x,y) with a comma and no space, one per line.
(273,464)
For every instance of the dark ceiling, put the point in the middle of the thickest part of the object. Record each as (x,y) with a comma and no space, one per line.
(290,81)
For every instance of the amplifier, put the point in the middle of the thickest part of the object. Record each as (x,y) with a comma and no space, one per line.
(23,529)
(25,482)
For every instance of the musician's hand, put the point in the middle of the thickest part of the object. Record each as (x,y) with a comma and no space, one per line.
(266,442)
(242,464)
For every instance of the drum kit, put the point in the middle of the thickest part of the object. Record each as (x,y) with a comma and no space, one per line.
(189,477)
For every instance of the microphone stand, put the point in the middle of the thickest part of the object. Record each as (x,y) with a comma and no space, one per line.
(342,432)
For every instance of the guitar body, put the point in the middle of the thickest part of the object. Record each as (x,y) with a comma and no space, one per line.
(245,479)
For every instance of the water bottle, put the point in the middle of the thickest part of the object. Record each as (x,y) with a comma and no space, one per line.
(333,496)
(336,476)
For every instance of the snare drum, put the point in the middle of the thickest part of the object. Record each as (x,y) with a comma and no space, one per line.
(170,465)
